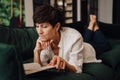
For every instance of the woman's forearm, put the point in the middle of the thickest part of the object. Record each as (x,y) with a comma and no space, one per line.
(37,56)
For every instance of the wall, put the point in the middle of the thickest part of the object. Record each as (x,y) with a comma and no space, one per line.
(105,10)
(28,12)
(78,10)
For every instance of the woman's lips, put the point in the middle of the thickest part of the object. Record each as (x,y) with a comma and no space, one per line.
(43,38)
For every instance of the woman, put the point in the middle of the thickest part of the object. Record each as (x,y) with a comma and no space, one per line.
(95,37)
(59,46)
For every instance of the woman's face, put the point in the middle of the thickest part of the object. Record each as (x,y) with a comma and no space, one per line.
(46,31)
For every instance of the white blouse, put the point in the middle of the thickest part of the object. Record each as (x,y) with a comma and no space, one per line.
(72,49)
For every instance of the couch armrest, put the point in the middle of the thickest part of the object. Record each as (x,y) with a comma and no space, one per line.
(11,67)
(112,57)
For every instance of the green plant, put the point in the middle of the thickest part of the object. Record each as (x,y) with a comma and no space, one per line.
(5,11)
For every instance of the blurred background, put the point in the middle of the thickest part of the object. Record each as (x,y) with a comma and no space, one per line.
(18,13)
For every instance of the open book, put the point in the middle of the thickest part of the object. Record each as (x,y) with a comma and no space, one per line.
(34,67)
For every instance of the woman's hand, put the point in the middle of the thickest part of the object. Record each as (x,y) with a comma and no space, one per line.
(59,62)
(40,45)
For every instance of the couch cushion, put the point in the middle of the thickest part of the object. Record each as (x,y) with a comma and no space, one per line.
(60,76)
(112,57)
(110,30)
(99,70)
(23,39)
(117,76)
(10,66)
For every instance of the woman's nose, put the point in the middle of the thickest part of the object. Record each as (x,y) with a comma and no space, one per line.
(40,31)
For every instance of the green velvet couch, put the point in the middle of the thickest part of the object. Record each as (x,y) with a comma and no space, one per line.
(16,48)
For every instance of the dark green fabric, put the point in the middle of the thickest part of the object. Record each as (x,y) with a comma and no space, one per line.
(60,76)
(112,57)
(24,42)
(23,39)
(99,70)
(117,72)
(10,66)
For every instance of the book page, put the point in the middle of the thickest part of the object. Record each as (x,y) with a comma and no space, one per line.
(34,67)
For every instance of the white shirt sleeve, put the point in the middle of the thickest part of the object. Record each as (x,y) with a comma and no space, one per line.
(76,55)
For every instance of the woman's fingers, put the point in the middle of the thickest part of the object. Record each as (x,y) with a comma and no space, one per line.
(53,61)
(38,45)
(58,62)
(63,65)
(44,44)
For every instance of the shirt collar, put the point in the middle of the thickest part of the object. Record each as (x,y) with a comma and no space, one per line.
(61,39)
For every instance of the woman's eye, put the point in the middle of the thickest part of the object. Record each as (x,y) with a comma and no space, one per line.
(44,26)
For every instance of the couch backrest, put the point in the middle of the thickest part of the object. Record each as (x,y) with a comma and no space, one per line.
(80,26)
(110,30)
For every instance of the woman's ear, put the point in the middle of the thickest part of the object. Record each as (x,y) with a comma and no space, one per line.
(57,26)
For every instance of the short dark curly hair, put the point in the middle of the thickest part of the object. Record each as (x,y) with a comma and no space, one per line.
(47,13)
